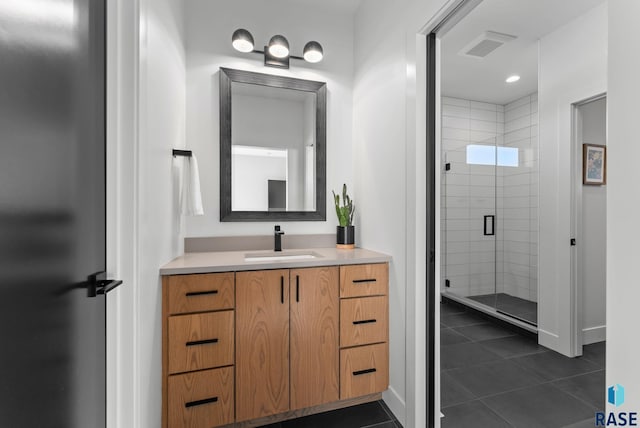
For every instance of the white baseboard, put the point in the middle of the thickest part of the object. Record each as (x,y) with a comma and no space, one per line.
(548,339)
(594,334)
(396,404)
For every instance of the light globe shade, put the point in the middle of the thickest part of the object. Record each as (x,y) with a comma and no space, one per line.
(242,40)
(512,79)
(279,46)
(312,52)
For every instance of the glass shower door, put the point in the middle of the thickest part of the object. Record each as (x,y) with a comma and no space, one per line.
(469,203)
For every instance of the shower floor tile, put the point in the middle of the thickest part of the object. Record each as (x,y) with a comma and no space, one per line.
(511,305)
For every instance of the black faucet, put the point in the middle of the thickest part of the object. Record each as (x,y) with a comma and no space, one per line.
(277,238)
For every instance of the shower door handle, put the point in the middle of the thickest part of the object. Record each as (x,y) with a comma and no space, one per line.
(489,225)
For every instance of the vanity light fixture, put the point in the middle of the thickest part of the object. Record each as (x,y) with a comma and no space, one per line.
(242,40)
(277,52)
(312,52)
(279,46)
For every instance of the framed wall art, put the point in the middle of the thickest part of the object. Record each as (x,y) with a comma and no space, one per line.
(594,164)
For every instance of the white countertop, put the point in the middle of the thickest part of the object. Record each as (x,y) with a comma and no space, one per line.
(226,261)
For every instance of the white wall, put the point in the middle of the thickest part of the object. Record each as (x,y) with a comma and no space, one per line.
(158,240)
(593,236)
(390,168)
(572,68)
(209,25)
(623,208)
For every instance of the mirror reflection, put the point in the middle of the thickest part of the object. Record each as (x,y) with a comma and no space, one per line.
(273,143)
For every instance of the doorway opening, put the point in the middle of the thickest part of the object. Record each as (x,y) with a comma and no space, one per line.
(475,161)
(589,192)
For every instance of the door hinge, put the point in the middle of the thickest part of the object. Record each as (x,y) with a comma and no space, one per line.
(573,242)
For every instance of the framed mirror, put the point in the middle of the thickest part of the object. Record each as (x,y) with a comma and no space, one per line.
(272,147)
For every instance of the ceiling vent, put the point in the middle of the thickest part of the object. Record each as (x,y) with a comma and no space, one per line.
(484,44)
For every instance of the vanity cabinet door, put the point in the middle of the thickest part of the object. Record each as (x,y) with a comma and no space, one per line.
(314,309)
(262,343)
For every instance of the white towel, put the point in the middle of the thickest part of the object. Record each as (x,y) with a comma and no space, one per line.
(190,196)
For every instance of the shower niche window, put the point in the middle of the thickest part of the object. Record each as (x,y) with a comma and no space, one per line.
(489,205)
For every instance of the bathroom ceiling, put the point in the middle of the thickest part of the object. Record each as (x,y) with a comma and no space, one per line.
(343,6)
(484,79)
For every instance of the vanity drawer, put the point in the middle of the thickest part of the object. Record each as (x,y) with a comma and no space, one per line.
(364,370)
(364,280)
(200,341)
(201,399)
(200,292)
(363,320)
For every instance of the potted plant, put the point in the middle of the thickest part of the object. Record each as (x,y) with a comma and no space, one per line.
(345,234)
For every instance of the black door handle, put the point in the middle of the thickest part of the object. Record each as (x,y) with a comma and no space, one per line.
(98,284)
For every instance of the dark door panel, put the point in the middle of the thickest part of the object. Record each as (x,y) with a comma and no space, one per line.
(52,213)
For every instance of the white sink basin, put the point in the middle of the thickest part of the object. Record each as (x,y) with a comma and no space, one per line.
(273,256)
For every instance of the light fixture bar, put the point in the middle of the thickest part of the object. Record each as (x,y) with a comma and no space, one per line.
(277,52)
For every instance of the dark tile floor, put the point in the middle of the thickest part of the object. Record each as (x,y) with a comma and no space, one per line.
(519,308)
(369,415)
(492,376)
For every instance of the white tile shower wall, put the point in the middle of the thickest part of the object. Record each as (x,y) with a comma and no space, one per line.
(520,200)
(473,263)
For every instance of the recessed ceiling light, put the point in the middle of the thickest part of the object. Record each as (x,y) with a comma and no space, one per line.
(512,79)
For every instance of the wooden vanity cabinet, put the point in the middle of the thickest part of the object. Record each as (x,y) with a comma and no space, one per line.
(286,340)
(256,347)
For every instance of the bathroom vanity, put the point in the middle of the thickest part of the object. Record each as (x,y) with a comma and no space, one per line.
(251,338)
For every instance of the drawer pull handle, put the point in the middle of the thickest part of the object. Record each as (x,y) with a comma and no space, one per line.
(200,293)
(364,322)
(282,289)
(201,342)
(200,402)
(361,372)
(358,281)
(297,288)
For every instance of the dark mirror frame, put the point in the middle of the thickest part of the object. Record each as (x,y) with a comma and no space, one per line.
(227,76)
